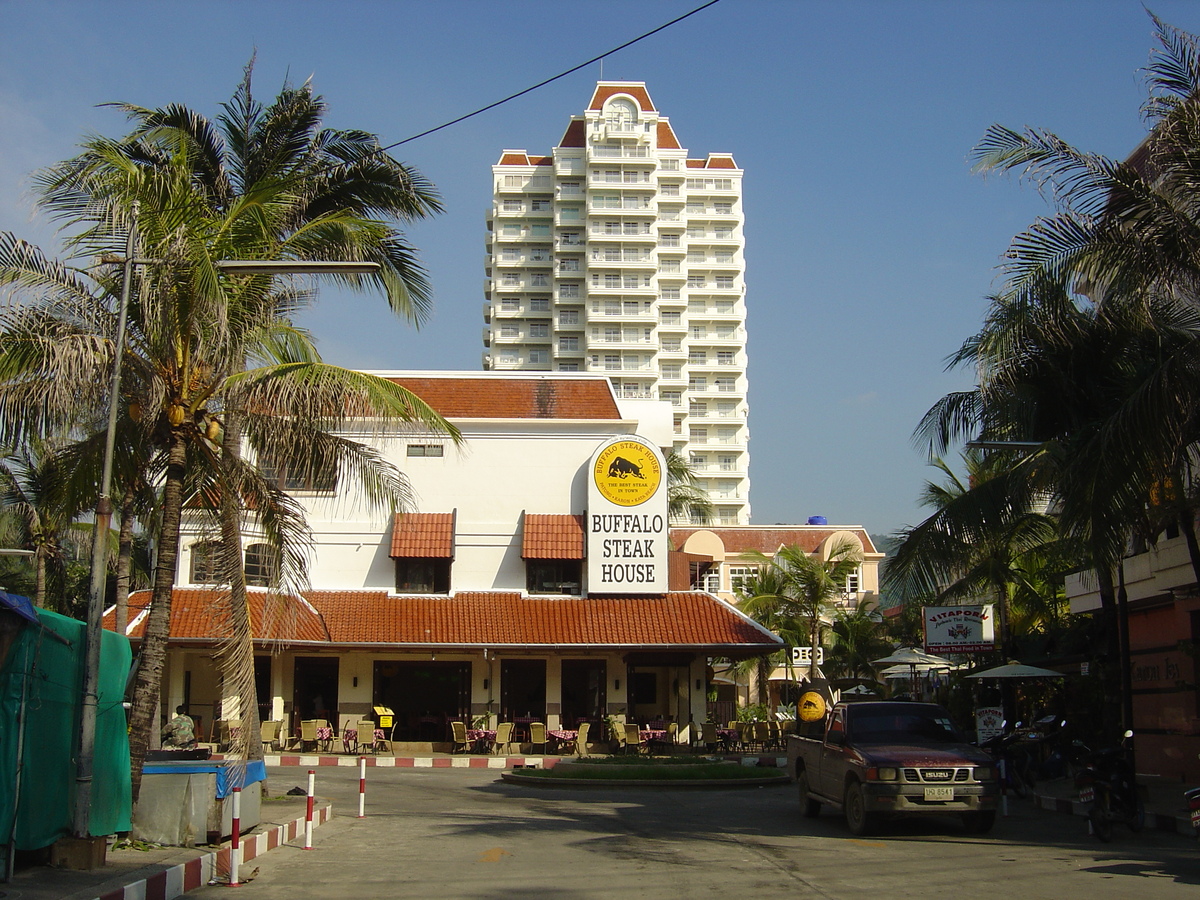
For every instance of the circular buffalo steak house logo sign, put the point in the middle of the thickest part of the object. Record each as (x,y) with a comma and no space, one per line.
(627,473)
(811,707)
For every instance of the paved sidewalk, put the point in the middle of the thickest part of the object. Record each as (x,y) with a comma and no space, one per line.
(164,873)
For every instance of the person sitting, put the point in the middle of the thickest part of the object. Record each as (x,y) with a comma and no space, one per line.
(180,732)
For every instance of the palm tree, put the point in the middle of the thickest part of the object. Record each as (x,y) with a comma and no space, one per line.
(801,588)
(759,596)
(687,501)
(858,638)
(37,512)
(192,330)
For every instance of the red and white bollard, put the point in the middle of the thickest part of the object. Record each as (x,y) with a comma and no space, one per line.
(308,813)
(1004,789)
(362,787)
(235,845)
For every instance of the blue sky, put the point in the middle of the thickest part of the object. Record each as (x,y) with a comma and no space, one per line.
(870,245)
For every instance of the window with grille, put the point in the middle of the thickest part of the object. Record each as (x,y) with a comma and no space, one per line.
(262,564)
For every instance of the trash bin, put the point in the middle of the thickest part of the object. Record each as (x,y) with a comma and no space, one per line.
(186,802)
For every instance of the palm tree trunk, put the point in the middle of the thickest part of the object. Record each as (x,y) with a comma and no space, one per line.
(152,658)
(39,576)
(814,641)
(237,657)
(124,561)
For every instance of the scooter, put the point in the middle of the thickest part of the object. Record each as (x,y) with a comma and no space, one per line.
(1193,804)
(1108,783)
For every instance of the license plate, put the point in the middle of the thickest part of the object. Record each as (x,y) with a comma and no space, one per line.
(939,793)
(1196,818)
(1087,795)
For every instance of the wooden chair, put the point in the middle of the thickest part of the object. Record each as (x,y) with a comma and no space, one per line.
(537,735)
(459,732)
(709,737)
(633,739)
(503,737)
(581,739)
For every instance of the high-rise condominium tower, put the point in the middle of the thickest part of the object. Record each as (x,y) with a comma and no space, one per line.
(620,254)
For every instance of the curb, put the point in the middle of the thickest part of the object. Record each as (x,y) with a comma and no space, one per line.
(692,783)
(472,762)
(178,880)
(1155,821)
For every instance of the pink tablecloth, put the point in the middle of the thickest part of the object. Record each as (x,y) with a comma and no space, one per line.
(653,734)
(350,737)
(324,732)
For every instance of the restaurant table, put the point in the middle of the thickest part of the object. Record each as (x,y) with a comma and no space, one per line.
(325,736)
(350,738)
(480,737)
(521,727)
(653,734)
(563,736)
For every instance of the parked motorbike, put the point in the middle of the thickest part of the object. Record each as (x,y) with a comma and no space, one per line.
(1107,782)
(1014,759)
(1193,804)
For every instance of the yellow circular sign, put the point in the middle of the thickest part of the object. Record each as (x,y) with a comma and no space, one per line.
(627,473)
(811,707)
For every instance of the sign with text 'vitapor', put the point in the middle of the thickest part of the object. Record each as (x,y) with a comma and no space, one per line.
(627,538)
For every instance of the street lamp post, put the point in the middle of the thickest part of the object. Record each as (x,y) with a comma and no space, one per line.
(103,516)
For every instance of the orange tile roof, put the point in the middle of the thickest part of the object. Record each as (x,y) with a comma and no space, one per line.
(542,160)
(575,135)
(552,537)
(689,620)
(514,159)
(494,618)
(201,614)
(721,161)
(423,536)
(666,137)
(769,540)
(465,397)
(637,91)
(695,163)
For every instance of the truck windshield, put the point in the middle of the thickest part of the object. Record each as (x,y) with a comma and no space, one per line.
(903,726)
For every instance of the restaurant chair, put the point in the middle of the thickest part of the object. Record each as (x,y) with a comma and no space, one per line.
(365,739)
(581,739)
(618,735)
(503,739)
(458,731)
(709,737)
(633,739)
(537,735)
(269,732)
(227,729)
(762,734)
(308,734)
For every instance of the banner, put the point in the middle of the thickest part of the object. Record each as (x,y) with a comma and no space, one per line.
(958,629)
(627,539)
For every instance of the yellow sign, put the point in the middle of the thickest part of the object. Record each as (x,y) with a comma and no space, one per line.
(627,473)
(811,707)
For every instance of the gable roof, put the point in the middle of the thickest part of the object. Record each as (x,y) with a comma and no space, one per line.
(491,397)
(635,89)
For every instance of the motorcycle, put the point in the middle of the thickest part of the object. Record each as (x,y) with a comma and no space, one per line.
(1107,782)
(1013,760)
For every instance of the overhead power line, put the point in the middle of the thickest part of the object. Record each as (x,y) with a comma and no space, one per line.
(527,90)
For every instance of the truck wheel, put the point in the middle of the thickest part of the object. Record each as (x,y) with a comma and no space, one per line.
(860,821)
(811,807)
(979,822)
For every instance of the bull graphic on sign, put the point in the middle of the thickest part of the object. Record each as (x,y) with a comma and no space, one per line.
(623,468)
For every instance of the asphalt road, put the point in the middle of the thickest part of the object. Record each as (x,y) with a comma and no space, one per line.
(464,834)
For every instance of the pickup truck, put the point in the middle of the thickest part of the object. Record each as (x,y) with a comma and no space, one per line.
(878,759)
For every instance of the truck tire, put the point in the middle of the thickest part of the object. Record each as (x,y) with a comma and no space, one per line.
(860,821)
(811,807)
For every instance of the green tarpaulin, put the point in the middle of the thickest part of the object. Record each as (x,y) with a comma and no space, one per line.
(44,676)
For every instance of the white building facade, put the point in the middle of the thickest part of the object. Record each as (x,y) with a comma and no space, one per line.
(476,603)
(620,255)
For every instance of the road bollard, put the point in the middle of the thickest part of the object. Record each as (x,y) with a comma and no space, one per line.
(235,845)
(362,787)
(308,813)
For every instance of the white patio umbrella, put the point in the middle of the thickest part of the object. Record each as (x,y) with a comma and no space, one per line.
(911,656)
(1017,670)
